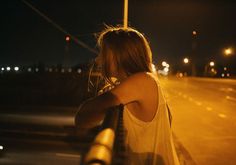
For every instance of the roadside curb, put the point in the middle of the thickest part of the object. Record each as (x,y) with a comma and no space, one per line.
(184,156)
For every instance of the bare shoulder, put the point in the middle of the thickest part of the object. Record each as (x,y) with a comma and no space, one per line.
(143,78)
(135,87)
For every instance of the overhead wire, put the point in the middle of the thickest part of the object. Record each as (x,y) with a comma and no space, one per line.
(76,40)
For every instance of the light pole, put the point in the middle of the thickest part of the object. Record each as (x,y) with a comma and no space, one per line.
(186,67)
(194,47)
(227,52)
(125,13)
(66,58)
(206,68)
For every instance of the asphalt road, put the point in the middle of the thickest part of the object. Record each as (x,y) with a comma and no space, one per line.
(204,117)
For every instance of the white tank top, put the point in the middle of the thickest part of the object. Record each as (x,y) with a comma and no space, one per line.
(150,143)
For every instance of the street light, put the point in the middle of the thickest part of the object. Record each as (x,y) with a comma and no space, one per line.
(195,35)
(67,45)
(186,60)
(209,67)
(166,69)
(212,63)
(228,51)
(8,68)
(67,38)
(16,68)
(163,63)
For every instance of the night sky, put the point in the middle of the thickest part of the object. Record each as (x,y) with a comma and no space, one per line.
(26,37)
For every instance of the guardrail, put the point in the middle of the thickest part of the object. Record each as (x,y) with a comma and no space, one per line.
(105,143)
(108,146)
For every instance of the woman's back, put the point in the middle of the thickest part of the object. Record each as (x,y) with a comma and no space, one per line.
(150,142)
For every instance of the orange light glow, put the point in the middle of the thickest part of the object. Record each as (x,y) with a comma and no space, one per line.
(194,33)
(228,51)
(67,38)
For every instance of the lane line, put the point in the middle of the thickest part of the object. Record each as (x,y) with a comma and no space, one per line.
(222,115)
(230,98)
(228,90)
(190,99)
(208,108)
(198,103)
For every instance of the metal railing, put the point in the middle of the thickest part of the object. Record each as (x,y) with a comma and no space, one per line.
(108,145)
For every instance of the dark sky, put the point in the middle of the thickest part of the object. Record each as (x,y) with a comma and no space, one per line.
(27,38)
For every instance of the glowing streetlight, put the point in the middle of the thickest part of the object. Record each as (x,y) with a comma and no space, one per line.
(8,68)
(166,70)
(16,68)
(186,60)
(209,68)
(164,63)
(228,51)
(212,63)
(194,33)
(79,70)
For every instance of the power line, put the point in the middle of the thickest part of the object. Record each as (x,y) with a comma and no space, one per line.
(76,40)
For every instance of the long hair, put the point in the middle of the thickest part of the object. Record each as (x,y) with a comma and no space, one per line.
(124,51)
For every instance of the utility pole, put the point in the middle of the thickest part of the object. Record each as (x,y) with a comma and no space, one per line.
(66,57)
(194,52)
(125,14)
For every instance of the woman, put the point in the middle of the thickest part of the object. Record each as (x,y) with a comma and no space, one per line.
(125,55)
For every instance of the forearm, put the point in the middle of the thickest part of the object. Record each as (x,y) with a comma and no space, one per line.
(93,110)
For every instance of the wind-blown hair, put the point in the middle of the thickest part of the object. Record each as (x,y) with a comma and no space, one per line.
(125,51)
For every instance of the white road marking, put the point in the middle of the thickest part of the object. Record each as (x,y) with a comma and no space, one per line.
(209,108)
(198,103)
(228,90)
(222,115)
(230,98)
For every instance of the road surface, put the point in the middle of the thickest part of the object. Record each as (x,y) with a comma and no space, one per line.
(204,117)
